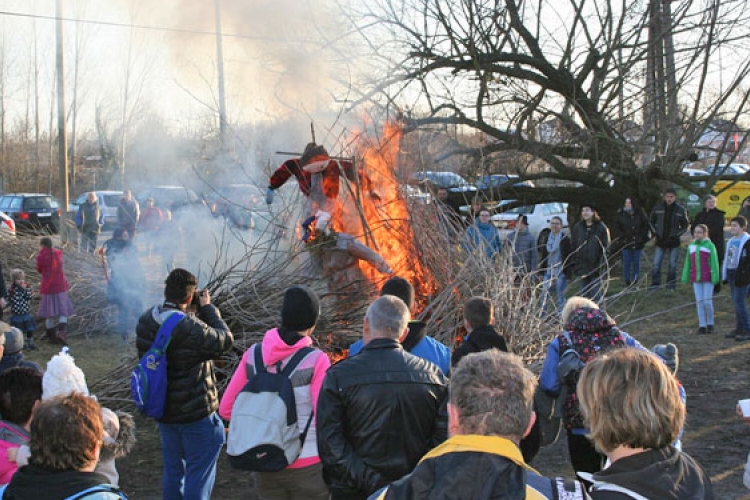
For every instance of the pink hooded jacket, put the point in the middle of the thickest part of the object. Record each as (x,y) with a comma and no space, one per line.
(274,350)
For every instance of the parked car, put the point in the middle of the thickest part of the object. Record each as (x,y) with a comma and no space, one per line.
(694,172)
(108,202)
(727,169)
(497,180)
(32,211)
(7,226)
(460,192)
(539,215)
(239,204)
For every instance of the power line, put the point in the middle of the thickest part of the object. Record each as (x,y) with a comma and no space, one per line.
(131,25)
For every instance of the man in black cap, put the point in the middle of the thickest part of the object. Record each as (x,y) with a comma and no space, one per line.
(380,411)
(192,433)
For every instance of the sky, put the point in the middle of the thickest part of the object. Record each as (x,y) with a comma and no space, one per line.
(283,58)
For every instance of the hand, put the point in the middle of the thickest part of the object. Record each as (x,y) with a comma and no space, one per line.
(269,196)
(12,454)
(204,297)
(3,303)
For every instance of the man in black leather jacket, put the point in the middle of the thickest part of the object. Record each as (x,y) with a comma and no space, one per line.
(192,433)
(379,412)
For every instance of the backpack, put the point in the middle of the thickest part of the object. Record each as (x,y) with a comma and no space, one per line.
(575,352)
(148,381)
(263,432)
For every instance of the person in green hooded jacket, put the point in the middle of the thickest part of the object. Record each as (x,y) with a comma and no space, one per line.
(702,270)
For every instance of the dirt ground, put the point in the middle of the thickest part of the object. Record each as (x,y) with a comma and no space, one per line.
(713,369)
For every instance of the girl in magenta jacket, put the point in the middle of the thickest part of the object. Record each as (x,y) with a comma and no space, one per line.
(702,270)
(55,306)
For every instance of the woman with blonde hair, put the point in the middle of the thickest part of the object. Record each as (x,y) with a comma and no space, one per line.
(633,410)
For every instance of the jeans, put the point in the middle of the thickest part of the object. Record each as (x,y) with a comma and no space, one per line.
(190,453)
(739,296)
(671,273)
(591,288)
(631,265)
(704,302)
(560,284)
(88,241)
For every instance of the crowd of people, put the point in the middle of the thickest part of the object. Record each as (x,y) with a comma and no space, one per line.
(403,416)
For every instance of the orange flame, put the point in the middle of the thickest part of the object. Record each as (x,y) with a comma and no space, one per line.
(388,230)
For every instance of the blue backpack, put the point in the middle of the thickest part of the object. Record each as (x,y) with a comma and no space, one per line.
(148,381)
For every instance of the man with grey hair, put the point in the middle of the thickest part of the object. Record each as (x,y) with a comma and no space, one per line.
(490,410)
(379,411)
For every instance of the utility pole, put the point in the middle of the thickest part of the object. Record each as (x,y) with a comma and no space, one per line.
(62,138)
(220,68)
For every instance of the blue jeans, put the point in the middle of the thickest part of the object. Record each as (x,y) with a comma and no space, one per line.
(739,296)
(560,284)
(671,273)
(190,453)
(591,288)
(631,265)
(704,302)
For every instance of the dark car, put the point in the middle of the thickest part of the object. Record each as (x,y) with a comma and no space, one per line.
(460,192)
(32,211)
(489,186)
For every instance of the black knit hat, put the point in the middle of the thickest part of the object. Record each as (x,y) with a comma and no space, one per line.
(300,309)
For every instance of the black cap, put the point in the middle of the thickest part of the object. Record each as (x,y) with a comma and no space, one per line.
(300,309)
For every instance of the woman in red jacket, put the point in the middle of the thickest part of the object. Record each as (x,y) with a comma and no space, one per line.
(55,303)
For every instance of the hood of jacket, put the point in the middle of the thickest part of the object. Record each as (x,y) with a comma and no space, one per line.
(589,320)
(275,349)
(41,484)
(664,473)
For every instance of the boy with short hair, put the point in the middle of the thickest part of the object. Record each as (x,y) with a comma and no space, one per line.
(479,314)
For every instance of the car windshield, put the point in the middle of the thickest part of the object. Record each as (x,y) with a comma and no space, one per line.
(112,200)
(39,203)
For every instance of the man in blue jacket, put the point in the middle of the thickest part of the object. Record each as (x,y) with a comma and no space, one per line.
(417,341)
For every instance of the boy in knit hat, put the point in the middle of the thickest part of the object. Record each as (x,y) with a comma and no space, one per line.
(12,349)
(300,309)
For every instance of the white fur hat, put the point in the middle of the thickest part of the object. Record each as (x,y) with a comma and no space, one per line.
(63,377)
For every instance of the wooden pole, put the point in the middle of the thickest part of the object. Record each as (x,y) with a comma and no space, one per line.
(62,138)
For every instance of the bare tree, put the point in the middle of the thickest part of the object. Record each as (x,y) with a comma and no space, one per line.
(599,94)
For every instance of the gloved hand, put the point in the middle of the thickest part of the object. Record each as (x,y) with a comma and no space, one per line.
(269,196)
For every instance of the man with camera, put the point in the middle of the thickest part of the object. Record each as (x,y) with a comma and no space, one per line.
(192,433)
